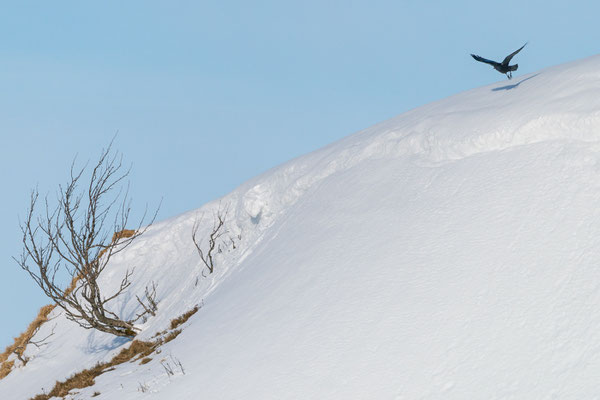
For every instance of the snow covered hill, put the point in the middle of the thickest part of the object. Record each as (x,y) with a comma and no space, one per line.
(452,252)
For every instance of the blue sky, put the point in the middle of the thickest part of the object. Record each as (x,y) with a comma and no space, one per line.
(207,94)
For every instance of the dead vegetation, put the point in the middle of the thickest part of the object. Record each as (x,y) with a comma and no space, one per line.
(170,369)
(79,380)
(138,350)
(72,237)
(172,335)
(184,317)
(20,343)
(217,231)
(6,367)
(149,304)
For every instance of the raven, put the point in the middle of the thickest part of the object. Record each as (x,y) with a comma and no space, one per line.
(502,67)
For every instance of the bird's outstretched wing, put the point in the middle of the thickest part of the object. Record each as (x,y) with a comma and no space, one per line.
(484,60)
(511,55)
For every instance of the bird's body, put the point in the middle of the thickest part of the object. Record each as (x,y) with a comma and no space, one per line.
(502,67)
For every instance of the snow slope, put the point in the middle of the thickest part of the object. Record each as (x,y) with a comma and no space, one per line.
(451,252)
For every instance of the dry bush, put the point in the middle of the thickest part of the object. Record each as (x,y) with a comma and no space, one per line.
(149,304)
(79,380)
(123,234)
(137,350)
(87,377)
(217,231)
(73,237)
(20,343)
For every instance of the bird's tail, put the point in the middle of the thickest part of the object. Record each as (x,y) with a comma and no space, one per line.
(513,67)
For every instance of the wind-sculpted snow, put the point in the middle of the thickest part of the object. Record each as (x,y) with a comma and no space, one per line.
(451,252)
(559,103)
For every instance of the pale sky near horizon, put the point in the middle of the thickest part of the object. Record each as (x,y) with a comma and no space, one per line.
(207,94)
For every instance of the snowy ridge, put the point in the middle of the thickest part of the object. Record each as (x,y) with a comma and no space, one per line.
(450,252)
(491,118)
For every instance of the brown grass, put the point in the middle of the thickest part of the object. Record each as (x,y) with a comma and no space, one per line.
(145,360)
(87,377)
(125,233)
(172,335)
(79,380)
(20,342)
(72,285)
(184,317)
(6,367)
(137,350)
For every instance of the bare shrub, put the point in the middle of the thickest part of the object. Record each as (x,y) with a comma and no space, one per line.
(21,342)
(143,387)
(171,369)
(178,363)
(137,350)
(218,230)
(73,237)
(20,349)
(168,368)
(79,380)
(149,304)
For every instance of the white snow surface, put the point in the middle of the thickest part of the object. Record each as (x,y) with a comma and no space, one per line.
(452,252)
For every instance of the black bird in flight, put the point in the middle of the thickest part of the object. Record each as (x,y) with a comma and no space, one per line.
(502,67)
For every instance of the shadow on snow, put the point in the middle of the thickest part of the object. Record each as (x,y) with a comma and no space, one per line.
(510,87)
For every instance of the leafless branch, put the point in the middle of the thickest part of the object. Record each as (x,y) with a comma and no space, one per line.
(43,341)
(74,236)
(149,305)
(178,363)
(19,350)
(217,231)
(167,367)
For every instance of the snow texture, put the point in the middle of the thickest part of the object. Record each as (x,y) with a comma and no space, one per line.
(452,252)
